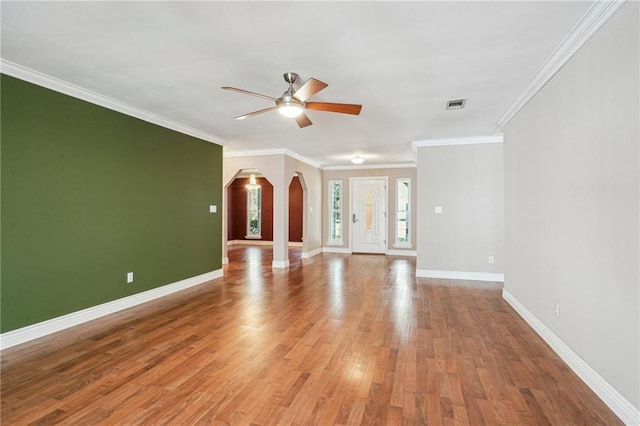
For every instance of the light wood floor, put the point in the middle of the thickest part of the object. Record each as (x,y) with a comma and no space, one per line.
(335,339)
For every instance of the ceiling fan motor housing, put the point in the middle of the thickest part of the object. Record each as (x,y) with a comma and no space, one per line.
(290,77)
(288,99)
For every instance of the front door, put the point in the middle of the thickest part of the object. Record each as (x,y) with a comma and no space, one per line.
(368,215)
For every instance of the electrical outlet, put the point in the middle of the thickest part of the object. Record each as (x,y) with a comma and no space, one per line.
(129,277)
(437,209)
(213,208)
(557,309)
(492,259)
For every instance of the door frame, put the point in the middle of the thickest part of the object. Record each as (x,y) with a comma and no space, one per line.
(385,206)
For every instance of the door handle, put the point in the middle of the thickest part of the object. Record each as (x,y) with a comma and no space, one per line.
(353,218)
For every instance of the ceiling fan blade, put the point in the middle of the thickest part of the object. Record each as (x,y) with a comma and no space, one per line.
(251,114)
(330,107)
(246,92)
(303,120)
(308,89)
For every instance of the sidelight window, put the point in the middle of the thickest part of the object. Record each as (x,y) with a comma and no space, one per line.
(403,210)
(254,207)
(335,212)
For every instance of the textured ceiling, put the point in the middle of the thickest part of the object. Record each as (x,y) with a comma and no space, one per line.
(401,61)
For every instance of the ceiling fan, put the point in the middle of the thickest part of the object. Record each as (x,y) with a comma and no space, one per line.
(292,103)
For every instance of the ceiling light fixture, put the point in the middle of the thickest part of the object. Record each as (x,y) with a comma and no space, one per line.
(357,160)
(287,104)
(290,109)
(252,182)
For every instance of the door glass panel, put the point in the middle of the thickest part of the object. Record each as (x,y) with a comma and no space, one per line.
(368,198)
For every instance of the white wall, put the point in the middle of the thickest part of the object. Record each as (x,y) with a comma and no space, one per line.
(572,204)
(466,181)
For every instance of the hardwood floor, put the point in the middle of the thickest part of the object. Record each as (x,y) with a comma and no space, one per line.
(335,339)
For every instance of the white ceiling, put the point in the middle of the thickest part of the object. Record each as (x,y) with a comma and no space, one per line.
(401,61)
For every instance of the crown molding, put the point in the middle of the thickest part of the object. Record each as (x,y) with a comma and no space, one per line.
(254,152)
(35,77)
(456,141)
(303,159)
(371,166)
(274,151)
(284,151)
(593,19)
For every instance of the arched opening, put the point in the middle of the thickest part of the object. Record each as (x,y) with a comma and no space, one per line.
(296,220)
(250,208)
(283,200)
(296,209)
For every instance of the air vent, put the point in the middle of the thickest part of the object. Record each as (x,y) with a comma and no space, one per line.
(456,104)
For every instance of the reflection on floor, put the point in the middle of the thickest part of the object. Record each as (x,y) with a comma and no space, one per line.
(335,339)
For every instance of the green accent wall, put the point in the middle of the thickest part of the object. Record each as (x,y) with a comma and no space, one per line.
(89,194)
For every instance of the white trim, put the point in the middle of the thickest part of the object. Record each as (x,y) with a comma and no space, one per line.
(257,242)
(251,242)
(402,246)
(456,141)
(280,264)
(49,82)
(274,151)
(372,166)
(608,394)
(310,254)
(225,260)
(251,190)
(303,159)
(402,253)
(44,328)
(599,13)
(330,210)
(460,275)
(295,155)
(406,244)
(252,153)
(341,250)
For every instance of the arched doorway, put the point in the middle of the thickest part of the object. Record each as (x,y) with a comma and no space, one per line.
(250,209)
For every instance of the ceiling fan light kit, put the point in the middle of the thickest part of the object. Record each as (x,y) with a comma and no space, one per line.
(357,160)
(293,103)
(290,110)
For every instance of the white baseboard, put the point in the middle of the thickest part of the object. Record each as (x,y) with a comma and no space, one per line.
(44,328)
(310,254)
(628,413)
(260,243)
(280,264)
(249,242)
(460,275)
(401,253)
(336,250)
